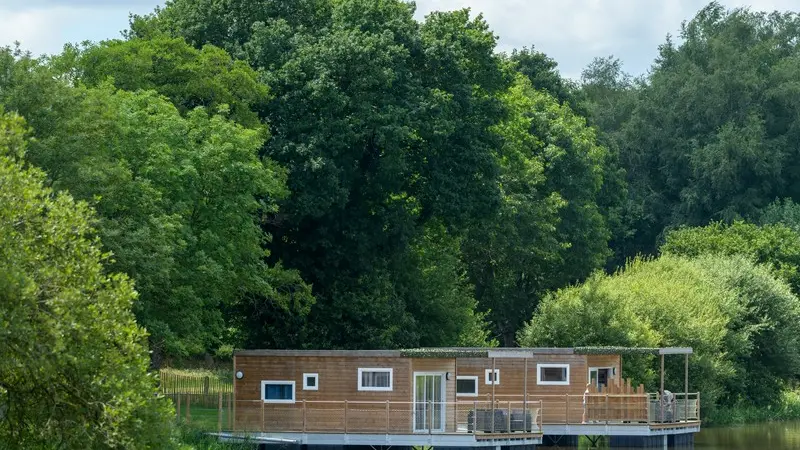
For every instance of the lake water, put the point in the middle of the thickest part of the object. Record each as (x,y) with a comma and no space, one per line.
(763,436)
(773,436)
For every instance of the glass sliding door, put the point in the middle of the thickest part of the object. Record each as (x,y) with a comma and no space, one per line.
(429,407)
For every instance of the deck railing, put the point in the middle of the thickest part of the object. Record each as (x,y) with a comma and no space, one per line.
(387,417)
(478,415)
(604,408)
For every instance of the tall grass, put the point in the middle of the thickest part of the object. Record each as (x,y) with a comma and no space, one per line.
(191,437)
(787,408)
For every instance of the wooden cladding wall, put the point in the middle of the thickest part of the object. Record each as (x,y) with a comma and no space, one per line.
(512,375)
(338,381)
(614,361)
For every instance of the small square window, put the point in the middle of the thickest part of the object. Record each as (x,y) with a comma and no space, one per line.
(466,386)
(310,381)
(492,377)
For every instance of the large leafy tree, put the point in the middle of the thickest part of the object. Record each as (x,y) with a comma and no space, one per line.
(549,230)
(774,333)
(188,77)
(180,200)
(711,133)
(383,125)
(774,245)
(74,371)
(740,319)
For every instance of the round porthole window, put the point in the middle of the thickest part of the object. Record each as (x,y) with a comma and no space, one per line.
(239,375)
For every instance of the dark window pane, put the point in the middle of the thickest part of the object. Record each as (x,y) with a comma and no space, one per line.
(278,392)
(554,374)
(311,381)
(466,386)
(375,379)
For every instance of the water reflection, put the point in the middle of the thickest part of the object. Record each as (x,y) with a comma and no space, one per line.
(776,436)
(772,436)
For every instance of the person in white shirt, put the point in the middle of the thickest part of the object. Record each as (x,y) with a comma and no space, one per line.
(585,398)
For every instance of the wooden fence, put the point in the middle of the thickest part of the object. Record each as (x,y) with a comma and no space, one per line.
(207,412)
(172,383)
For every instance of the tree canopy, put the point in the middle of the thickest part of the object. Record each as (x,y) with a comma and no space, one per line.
(708,134)
(74,372)
(741,321)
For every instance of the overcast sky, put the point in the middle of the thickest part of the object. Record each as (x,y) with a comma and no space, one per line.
(570,31)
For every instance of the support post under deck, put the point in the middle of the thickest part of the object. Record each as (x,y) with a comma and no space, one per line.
(686,388)
(661,392)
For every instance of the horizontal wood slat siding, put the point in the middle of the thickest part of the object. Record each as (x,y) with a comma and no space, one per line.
(606,361)
(512,381)
(338,381)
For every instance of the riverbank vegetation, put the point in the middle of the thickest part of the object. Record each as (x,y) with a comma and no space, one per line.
(338,174)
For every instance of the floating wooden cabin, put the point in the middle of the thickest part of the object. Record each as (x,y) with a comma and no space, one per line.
(452,397)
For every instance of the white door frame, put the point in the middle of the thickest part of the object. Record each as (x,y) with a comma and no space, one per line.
(610,373)
(443,376)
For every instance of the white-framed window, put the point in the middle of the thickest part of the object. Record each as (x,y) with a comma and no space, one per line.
(492,377)
(310,381)
(277,391)
(379,379)
(466,386)
(552,374)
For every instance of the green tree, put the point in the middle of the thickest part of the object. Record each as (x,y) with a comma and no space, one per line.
(709,134)
(188,77)
(774,245)
(543,73)
(740,319)
(549,230)
(784,212)
(181,200)
(74,372)
(382,124)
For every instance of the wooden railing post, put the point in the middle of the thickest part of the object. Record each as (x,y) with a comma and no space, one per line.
(230,411)
(345,416)
(698,406)
(387,416)
(541,415)
(304,415)
(178,404)
(525,396)
(455,417)
(566,409)
(219,413)
(508,419)
(474,419)
(606,408)
(188,409)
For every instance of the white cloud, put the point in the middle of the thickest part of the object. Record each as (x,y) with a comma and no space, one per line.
(572,32)
(46,28)
(33,28)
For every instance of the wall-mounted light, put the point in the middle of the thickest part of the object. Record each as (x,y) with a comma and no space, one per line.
(239,374)
(447,376)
